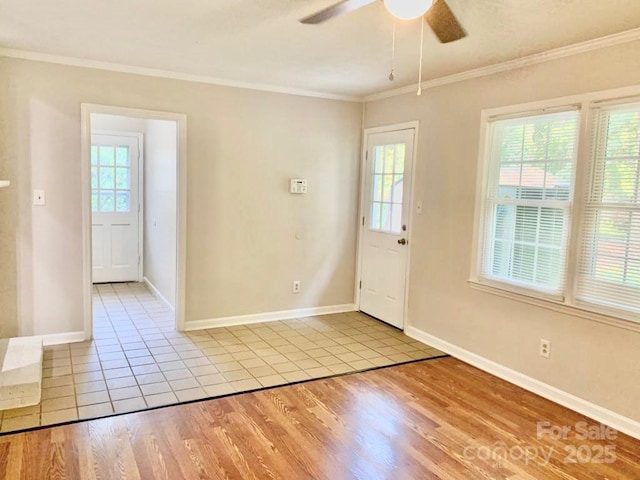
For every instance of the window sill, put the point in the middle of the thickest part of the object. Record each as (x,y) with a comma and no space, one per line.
(557,307)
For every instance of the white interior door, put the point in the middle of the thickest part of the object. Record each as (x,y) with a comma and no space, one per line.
(384,227)
(115,205)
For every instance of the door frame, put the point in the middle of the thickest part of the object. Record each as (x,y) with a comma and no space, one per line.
(414,125)
(86,109)
(140,138)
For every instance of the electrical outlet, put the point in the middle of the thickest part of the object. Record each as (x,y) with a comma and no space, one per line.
(545,348)
(296,286)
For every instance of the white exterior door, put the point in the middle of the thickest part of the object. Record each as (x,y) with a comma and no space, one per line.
(115,166)
(384,227)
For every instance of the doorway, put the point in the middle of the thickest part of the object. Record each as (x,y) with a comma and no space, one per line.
(385,222)
(134,216)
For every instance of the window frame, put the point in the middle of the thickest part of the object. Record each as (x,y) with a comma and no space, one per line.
(491,170)
(566,303)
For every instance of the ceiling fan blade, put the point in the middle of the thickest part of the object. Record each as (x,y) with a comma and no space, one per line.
(444,23)
(345,6)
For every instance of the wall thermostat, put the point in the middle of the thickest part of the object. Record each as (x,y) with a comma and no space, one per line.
(298,185)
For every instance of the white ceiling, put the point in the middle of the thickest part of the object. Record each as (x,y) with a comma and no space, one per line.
(261,41)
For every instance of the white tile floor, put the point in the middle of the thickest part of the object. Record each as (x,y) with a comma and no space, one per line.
(137,360)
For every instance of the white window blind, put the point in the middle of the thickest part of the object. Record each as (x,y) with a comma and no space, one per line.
(527,204)
(609,268)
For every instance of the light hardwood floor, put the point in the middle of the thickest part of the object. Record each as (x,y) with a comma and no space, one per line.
(435,419)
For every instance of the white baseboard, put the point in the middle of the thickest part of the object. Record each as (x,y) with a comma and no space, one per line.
(268,316)
(62,338)
(157,293)
(596,412)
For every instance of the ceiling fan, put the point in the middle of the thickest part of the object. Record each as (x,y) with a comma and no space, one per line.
(436,13)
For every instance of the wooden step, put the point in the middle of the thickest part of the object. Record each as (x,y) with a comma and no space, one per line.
(21,373)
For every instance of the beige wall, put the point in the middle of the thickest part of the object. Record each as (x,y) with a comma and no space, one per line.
(160,170)
(243,146)
(8,219)
(591,360)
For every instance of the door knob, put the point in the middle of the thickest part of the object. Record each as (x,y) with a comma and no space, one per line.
(402,241)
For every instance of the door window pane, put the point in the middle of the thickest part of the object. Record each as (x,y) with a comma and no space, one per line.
(377,188)
(106,155)
(385,217)
(94,155)
(396,218)
(387,186)
(375,216)
(398,183)
(389,157)
(94,177)
(107,179)
(122,178)
(106,201)
(94,201)
(400,156)
(379,156)
(122,156)
(122,202)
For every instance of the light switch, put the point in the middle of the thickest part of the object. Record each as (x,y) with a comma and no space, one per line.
(419,207)
(38,197)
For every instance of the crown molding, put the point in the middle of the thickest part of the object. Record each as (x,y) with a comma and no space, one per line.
(561,52)
(537,58)
(153,72)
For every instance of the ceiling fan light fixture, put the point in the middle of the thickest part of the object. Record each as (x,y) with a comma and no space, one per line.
(407,9)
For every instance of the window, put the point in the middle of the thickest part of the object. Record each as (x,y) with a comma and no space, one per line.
(110,179)
(529,195)
(528,201)
(609,273)
(388,182)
